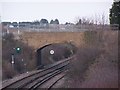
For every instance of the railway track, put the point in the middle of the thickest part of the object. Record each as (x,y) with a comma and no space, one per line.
(39,78)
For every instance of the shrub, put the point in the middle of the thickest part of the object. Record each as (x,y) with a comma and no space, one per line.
(22,60)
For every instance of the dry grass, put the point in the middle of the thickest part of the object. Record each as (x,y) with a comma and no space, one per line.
(78,66)
(96,63)
(104,72)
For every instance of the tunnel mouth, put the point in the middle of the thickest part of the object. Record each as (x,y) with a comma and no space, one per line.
(54,52)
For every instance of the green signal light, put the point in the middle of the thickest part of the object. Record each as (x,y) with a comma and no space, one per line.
(18,49)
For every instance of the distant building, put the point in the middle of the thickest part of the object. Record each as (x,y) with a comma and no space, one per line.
(6,23)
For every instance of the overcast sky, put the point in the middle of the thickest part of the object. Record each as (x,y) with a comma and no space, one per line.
(63,10)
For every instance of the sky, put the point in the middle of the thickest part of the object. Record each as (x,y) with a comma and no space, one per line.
(63,10)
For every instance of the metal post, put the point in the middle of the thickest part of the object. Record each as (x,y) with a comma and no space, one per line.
(7,29)
(18,29)
(25,67)
(13,61)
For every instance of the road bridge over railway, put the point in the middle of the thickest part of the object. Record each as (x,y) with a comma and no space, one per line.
(39,39)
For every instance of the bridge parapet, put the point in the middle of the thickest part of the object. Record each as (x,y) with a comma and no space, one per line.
(39,39)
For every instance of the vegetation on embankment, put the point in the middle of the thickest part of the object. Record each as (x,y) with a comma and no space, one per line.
(96,63)
(23,61)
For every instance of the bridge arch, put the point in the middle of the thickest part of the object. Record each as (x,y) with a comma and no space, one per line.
(59,51)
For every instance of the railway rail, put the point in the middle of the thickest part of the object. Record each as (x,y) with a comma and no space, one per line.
(38,78)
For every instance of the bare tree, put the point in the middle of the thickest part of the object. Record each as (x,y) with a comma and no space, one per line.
(96,19)
(77,20)
(103,19)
